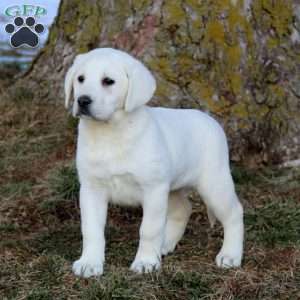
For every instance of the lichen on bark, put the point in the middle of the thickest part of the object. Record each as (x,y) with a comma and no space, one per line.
(238,60)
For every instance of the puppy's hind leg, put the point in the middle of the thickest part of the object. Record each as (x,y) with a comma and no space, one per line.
(179,211)
(222,202)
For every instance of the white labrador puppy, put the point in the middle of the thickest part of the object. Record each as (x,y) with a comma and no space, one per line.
(129,153)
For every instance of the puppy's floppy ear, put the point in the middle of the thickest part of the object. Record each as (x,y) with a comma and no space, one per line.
(141,85)
(69,79)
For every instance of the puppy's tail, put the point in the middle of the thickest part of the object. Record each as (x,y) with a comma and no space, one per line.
(211,218)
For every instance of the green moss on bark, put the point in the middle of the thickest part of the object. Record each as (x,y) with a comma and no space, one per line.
(80,23)
(241,65)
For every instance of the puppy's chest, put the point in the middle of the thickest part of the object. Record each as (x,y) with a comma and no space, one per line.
(103,160)
(111,168)
(124,190)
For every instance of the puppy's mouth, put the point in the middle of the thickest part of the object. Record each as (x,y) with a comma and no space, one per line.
(83,112)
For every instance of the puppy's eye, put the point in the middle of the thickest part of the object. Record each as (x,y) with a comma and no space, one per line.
(81,78)
(107,81)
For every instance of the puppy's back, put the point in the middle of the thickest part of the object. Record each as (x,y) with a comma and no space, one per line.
(195,140)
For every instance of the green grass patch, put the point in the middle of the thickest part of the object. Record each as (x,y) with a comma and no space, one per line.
(167,284)
(72,123)
(39,293)
(63,192)
(242,175)
(63,183)
(267,176)
(13,190)
(48,270)
(8,228)
(63,241)
(22,94)
(277,223)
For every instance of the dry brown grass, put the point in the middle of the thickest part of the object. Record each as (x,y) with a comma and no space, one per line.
(40,231)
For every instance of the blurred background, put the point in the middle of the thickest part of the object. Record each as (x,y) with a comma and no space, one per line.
(235,59)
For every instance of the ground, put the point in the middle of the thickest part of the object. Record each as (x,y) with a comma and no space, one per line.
(40,229)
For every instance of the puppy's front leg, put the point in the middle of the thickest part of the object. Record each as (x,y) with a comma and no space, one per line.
(93,209)
(152,229)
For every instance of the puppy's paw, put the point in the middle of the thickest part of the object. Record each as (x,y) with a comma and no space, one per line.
(145,265)
(168,246)
(86,267)
(227,260)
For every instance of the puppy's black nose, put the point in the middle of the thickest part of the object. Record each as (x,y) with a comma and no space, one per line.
(84,101)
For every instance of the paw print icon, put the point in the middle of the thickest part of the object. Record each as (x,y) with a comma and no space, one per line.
(24,33)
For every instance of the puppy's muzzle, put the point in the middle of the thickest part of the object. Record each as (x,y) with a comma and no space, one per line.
(84,103)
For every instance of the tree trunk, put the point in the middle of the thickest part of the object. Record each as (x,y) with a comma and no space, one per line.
(238,60)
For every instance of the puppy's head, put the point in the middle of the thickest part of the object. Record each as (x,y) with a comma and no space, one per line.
(105,80)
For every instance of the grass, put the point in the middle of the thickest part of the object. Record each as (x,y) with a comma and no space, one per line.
(40,228)
(274,224)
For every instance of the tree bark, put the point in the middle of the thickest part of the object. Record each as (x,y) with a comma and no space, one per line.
(238,60)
